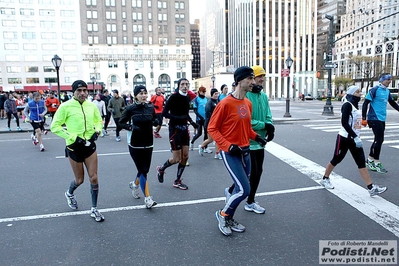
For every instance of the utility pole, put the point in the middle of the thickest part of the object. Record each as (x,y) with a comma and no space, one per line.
(328,108)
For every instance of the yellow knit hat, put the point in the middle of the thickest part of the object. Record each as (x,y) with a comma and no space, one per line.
(258,70)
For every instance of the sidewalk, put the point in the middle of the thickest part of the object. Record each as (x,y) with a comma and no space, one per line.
(308,110)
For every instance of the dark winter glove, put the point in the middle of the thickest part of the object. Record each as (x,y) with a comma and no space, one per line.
(234,150)
(259,139)
(270,131)
(156,107)
(94,137)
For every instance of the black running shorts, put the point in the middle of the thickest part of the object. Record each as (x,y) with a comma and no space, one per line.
(178,136)
(80,153)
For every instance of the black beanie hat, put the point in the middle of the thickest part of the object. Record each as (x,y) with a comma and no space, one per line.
(77,84)
(138,89)
(242,73)
(213,91)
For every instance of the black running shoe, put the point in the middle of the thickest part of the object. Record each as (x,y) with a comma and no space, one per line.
(160,174)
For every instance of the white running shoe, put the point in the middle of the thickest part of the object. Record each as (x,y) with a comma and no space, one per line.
(218,156)
(149,202)
(326,183)
(376,189)
(207,150)
(41,147)
(98,217)
(135,190)
(200,150)
(254,207)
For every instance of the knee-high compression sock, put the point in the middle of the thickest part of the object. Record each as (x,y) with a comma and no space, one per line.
(144,185)
(72,187)
(94,194)
(180,169)
(165,165)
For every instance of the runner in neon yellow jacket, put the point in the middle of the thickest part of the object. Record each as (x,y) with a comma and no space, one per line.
(81,119)
(83,125)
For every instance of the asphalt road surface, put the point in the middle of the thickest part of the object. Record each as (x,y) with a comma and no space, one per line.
(38,228)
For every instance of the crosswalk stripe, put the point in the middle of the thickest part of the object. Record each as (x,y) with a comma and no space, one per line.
(376,208)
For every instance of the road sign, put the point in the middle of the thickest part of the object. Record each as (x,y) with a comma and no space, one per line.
(331,65)
(285,72)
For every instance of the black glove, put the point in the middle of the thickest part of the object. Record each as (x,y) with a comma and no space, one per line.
(113,112)
(94,137)
(270,131)
(156,107)
(195,125)
(235,150)
(259,139)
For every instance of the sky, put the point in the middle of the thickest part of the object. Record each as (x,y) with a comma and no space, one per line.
(196,9)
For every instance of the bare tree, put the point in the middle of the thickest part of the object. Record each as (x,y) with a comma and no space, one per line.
(368,68)
(343,81)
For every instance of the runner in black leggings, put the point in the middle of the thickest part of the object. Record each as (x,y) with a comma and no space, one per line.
(348,139)
(138,119)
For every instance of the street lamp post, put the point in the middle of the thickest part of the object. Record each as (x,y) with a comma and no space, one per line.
(213,81)
(288,62)
(57,63)
(93,79)
(328,108)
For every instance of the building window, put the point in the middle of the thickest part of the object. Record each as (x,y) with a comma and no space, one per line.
(68,24)
(124,40)
(69,13)
(7,11)
(27,23)
(181,5)
(109,2)
(9,23)
(30,46)
(124,27)
(48,69)
(29,35)
(46,12)
(69,35)
(13,69)
(149,2)
(30,69)
(27,11)
(47,24)
(164,4)
(176,5)
(48,35)
(11,46)
(89,14)
(10,35)
(14,81)
(91,2)
(124,15)
(50,80)
(150,16)
(32,80)
(149,27)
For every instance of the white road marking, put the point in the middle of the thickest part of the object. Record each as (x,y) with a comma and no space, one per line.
(159,205)
(116,153)
(19,140)
(376,208)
